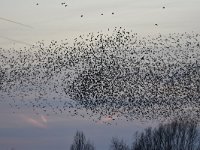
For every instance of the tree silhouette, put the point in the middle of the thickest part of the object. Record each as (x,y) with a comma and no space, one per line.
(117,144)
(80,142)
(177,135)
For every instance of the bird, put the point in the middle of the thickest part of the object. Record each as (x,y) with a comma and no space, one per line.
(156,24)
(123,76)
(81,16)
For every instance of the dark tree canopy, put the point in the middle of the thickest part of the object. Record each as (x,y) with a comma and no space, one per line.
(80,142)
(117,144)
(178,135)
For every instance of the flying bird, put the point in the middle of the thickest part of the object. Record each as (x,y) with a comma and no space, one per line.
(106,78)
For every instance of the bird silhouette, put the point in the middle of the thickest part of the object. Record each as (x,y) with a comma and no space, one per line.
(117,76)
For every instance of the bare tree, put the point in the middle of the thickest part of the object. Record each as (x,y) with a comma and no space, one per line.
(117,144)
(177,135)
(80,142)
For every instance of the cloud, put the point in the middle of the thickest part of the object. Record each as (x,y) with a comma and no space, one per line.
(44,119)
(40,122)
(36,123)
(106,119)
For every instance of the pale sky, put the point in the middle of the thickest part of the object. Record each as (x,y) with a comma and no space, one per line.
(52,21)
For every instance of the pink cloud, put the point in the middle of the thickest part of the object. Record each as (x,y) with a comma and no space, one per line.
(36,123)
(40,122)
(44,119)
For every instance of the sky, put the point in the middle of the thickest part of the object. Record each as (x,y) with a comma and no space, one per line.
(23,23)
(24,130)
(49,20)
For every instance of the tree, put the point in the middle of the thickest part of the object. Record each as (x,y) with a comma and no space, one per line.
(80,142)
(117,144)
(177,135)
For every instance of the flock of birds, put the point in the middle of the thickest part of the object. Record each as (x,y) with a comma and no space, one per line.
(117,75)
(65,5)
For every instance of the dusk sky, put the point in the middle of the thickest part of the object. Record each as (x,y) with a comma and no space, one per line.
(24,129)
(24,22)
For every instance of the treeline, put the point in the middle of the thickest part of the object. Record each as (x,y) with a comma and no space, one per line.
(177,135)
